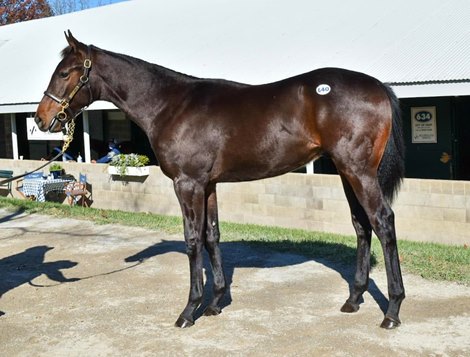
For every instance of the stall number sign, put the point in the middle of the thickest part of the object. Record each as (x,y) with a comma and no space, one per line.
(423,125)
(35,134)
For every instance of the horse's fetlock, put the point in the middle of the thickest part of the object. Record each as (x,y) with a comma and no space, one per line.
(398,297)
(361,288)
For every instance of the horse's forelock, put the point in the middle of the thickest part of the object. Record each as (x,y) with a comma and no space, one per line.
(66,51)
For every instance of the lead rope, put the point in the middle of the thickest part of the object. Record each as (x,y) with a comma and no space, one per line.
(68,137)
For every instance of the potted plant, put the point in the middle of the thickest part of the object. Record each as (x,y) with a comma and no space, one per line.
(129,165)
(56,170)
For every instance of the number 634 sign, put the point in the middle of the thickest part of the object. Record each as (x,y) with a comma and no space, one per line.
(423,125)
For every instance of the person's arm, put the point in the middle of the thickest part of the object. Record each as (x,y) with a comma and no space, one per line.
(107,158)
(103,160)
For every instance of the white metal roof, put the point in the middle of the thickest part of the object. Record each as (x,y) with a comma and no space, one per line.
(405,42)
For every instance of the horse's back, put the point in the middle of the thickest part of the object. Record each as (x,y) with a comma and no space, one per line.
(249,132)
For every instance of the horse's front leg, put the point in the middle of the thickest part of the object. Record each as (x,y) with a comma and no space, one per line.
(212,247)
(191,196)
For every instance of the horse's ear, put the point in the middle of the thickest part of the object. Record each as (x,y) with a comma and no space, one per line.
(73,42)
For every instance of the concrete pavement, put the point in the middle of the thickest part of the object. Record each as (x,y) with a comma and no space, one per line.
(74,288)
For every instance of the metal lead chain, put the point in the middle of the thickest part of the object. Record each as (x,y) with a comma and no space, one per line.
(69,136)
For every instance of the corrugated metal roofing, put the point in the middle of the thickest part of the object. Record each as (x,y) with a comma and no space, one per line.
(437,49)
(403,41)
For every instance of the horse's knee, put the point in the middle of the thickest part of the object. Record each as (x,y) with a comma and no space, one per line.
(193,246)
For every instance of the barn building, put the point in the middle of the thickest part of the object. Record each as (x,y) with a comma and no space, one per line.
(421,48)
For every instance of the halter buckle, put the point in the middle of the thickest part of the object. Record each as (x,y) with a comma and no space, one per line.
(87,63)
(64,104)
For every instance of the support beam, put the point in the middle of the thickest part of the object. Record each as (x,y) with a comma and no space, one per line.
(309,167)
(86,137)
(14,136)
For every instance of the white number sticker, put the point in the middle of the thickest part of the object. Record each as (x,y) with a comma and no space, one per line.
(323,89)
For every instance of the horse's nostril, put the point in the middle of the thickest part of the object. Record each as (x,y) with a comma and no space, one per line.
(39,122)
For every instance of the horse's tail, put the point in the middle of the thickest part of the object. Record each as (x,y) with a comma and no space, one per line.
(392,167)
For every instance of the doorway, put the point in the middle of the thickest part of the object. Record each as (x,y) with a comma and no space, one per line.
(461,137)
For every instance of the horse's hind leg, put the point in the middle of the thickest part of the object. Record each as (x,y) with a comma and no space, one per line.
(364,233)
(212,247)
(381,217)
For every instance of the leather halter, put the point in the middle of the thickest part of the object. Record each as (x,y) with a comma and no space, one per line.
(62,117)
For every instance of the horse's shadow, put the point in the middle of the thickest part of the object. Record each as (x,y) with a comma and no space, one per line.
(24,267)
(264,254)
(12,216)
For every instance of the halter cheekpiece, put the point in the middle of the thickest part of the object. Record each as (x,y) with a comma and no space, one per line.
(62,117)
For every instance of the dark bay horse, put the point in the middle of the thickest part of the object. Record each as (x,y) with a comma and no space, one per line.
(205,131)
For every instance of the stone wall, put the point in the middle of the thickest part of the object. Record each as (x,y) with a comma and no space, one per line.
(426,210)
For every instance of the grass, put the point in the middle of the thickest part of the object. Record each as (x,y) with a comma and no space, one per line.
(431,261)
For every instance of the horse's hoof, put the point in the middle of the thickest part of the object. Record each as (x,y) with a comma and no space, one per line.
(349,307)
(212,311)
(389,323)
(183,323)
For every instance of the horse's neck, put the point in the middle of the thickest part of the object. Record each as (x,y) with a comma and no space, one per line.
(141,90)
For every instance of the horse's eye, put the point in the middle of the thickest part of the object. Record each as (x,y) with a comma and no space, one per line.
(64,74)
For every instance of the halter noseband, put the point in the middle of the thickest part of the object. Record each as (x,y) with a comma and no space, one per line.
(62,116)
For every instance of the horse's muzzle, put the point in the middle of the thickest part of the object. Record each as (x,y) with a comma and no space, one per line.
(39,122)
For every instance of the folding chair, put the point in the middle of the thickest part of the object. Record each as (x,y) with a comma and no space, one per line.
(6,174)
(19,184)
(77,190)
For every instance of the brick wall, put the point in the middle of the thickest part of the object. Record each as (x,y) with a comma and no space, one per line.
(426,210)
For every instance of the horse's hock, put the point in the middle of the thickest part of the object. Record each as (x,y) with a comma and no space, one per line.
(425,210)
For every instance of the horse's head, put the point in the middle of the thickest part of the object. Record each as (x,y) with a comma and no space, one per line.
(69,91)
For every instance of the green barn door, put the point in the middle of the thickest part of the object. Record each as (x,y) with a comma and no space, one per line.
(462,138)
(427,126)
